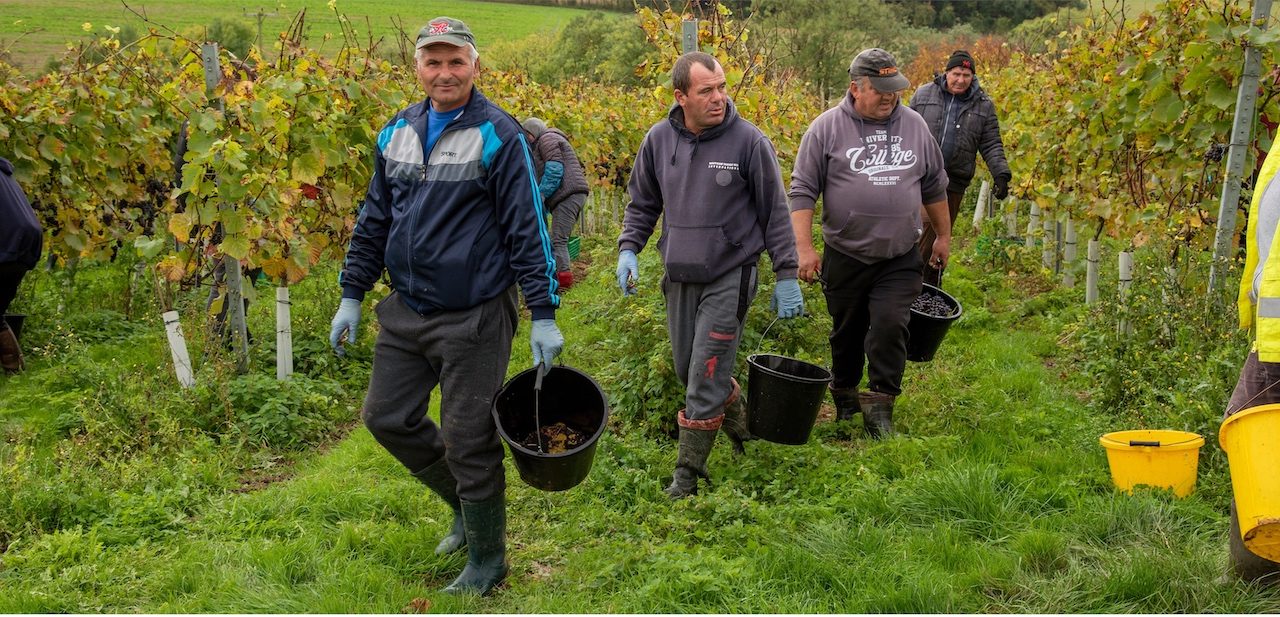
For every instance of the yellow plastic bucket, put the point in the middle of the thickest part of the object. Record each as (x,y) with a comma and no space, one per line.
(1251,440)
(1163,459)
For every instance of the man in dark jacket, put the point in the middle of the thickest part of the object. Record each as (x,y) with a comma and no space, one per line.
(452,217)
(876,167)
(563,187)
(713,177)
(963,120)
(21,238)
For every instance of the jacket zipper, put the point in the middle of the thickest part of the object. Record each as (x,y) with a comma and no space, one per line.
(422,177)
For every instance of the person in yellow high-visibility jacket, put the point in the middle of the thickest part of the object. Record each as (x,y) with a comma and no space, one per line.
(1259,309)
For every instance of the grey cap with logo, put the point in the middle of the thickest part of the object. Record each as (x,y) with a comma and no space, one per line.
(881,67)
(445,30)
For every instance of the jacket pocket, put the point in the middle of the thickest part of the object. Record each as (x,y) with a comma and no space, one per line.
(699,254)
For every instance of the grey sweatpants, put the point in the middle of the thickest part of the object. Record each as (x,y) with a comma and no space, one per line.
(705,324)
(563,217)
(464,352)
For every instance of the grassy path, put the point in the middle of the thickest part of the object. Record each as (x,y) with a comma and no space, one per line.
(996,499)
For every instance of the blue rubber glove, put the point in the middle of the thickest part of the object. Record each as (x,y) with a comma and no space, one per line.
(347,320)
(628,272)
(546,341)
(787,299)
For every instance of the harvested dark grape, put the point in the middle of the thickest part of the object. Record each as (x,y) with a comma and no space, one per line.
(932,305)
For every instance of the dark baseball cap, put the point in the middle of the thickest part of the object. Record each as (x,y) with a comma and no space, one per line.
(880,66)
(446,30)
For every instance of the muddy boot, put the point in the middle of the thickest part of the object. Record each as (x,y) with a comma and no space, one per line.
(736,426)
(485,523)
(10,353)
(691,461)
(440,480)
(846,400)
(1245,564)
(877,413)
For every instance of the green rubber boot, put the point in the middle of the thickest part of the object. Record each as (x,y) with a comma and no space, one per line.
(440,480)
(486,529)
(691,461)
(877,413)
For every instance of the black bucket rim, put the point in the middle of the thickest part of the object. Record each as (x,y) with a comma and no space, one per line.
(514,445)
(751,361)
(946,297)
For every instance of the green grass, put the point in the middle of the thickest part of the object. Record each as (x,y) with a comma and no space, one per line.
(35,31)
(996,498)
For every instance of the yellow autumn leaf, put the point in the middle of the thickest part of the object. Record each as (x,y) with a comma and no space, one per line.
(180,226)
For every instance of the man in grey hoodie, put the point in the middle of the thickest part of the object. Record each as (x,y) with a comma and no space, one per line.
(713,177)
(875,164)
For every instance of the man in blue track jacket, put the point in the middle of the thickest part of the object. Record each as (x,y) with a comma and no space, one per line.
(454,216)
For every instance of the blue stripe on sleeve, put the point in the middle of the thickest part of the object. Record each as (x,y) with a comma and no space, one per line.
(491,142)
(384,137)
(542,222)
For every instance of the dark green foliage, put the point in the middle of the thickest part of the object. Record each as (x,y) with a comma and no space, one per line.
(985,16)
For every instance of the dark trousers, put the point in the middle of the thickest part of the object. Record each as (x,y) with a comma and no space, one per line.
(870,305)
(10,277)
(931,274)
(1259,384)
(464,352)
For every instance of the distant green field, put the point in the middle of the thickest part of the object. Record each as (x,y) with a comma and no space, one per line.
(34,30)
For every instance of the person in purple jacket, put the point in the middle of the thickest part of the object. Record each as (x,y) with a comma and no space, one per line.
(21,239)
(713,177)
(453,216)
(875,165)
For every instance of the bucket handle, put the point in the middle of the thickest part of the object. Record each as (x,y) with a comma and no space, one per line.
(537,404)
(764,334)
(1139,442)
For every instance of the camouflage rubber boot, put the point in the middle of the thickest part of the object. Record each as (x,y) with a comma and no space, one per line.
(10,352)
(846,400)
(736,425)
(877,413)
(440,480)
(486,528)
(691,461)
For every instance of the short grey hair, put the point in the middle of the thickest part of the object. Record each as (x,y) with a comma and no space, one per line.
(471,50)
(681,74)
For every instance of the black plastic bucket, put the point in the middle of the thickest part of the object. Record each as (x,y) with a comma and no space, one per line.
(15,323)
(569,396)
(925,332)
(783,397)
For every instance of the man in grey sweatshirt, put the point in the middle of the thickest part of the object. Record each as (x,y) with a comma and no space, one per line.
(713,177)
(875,164)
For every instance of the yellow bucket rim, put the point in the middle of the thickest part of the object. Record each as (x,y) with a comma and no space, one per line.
(1240,415)
(1151,438)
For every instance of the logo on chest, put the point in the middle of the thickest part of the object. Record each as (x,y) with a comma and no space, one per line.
(880,154)
(726,171)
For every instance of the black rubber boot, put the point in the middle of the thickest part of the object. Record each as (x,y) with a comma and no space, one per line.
(440,480)
(736,426)
(877,413)
(10,352)
(846,400)
(691,462)
(1247,565)
(486,528)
